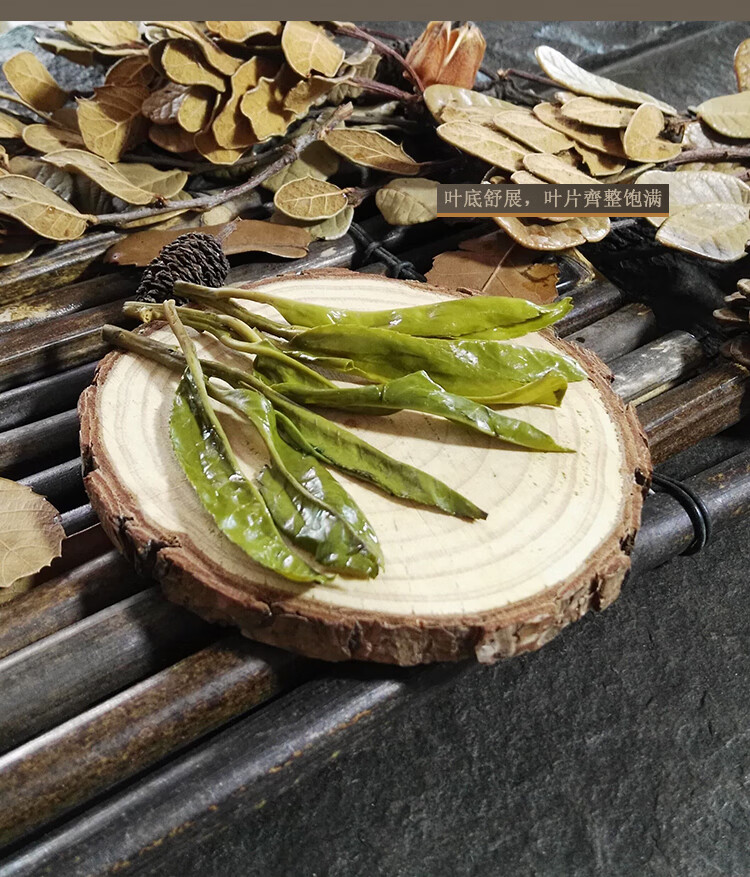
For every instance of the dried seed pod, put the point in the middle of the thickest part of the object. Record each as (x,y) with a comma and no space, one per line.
(193,257)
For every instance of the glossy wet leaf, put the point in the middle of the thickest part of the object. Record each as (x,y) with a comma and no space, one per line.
(102,173)
(31,80)
(714,231)
(728,114)
(408,200)
(38,208)
(371,149)
(31,534)
(308,48)
(310,199)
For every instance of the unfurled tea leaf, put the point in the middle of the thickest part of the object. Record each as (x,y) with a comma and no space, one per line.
(10,126)
(132,70)
(602,140)
(30,80)
(553,236)
(310,199)
(317,161)
(598,163)
(308,48)
(371,149)
(183,62)
(102,173)
(570,75)
(526,128)
(330,229)
(240,31)
(742,65)
(47,138)
(714,231)
(439,97)
(490,146)
(162,105)
(264,107)
(172,138)
(206,144)
(408,201)
(38,208)
(689,189)
(165,184)
(32,534)
(104,33)
(196,108)
(641,140)
(728,114)
(599,113)
(111,123)
(555,170)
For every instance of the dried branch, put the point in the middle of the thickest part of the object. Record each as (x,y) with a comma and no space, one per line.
(376,87)
(728,153)
(523,74)
(359,33)
(289,153)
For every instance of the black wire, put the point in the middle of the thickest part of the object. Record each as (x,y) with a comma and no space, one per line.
(396,267)
(693,505)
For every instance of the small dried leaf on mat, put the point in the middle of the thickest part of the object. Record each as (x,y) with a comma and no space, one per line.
(317,160)
(166,184)
(714,231)
(742,65)
(31,80)
(602,140)
(491,146)
(371,149)
(104,33)
(554,236)
(75,52)
(697,187)
(196,108)
(205,143)
(308,48)
(264,107)
(10,126)
(212,54)
(555,170)
(408,201)
(111,123)
(172,138)
(599,113)
(132,70)
(310,199)
(31,534)
(729,114)
(47,138)
(162,106)
(330,229)
(240,31)
(438,97)
(183,62)
(54,178)
(526,128)
(641,140)
(38,208)
(598,163)
(102,173)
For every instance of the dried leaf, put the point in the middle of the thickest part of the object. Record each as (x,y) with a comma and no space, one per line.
(599,164)
(172,138)
(38,208)
(330,229)
(60,182)
(248,236)
(206,144)
(133,70)
(714,231)
(231,128)
(47,138)
(364,64)
(604,140)
(264,107)
(310,199)
(241,31)
(316,161)
(478,115)
(528,179)
(75,52)
(555,170)
(104,33)
(697,135)
(111,123)
(16,248)
(694,188)
(231,209)
(162,105)
(371,149)
(728,114)
(309,92)
(408,201)
(308,48)
(599,113)
(641,140)
(32,532)
(581,81)
(166,184)
(183,62)
(527,129)
(102,173)
(554,236)
(196,109)
(439,97)
(494,148)
(10,126)
(213,55)
(495,265)
(30,80)
(742,65)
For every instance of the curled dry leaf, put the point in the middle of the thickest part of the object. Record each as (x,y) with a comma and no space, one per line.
(601,140)
(478,115)
(205,143)
(104,33)
(38,208)
(54,178)
(408,200)
(132,70)
(742,65)
(317,161)
(528,179)
(196,109)
(599,113)
(364,65)
(308,48)
(75,52)
(182,62)
(231,128)
(599,164)
(495,265)
(101,172)
(32,532)
(248,236)
(15,249)
(641,140)
(161,106)
(526,128)
(689,189)
(310,199)
(241,31)
(172,138)
(371,149)
(308,93)
(728,114)
(491,146)
(31,80)
(439,97)
(714,231)
(10,126)
(212,54)
(47,138)
(111,123)
(330,229)
(164,184)
(264,107)
(568,74)
(555,170)
(554,236)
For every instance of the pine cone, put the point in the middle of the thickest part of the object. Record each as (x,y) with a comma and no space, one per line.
(737,314)
(193,257)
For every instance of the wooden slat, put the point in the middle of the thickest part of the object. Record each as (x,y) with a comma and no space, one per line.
(33,441)
(46,396)
(624,330)
(591,301)
(657,366)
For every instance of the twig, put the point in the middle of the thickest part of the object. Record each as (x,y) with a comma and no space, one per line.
(532,77)
(728,153)
(376,87)
(359,34)
(290,152)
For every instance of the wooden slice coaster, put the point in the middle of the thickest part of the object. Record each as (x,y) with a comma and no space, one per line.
(556,542)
